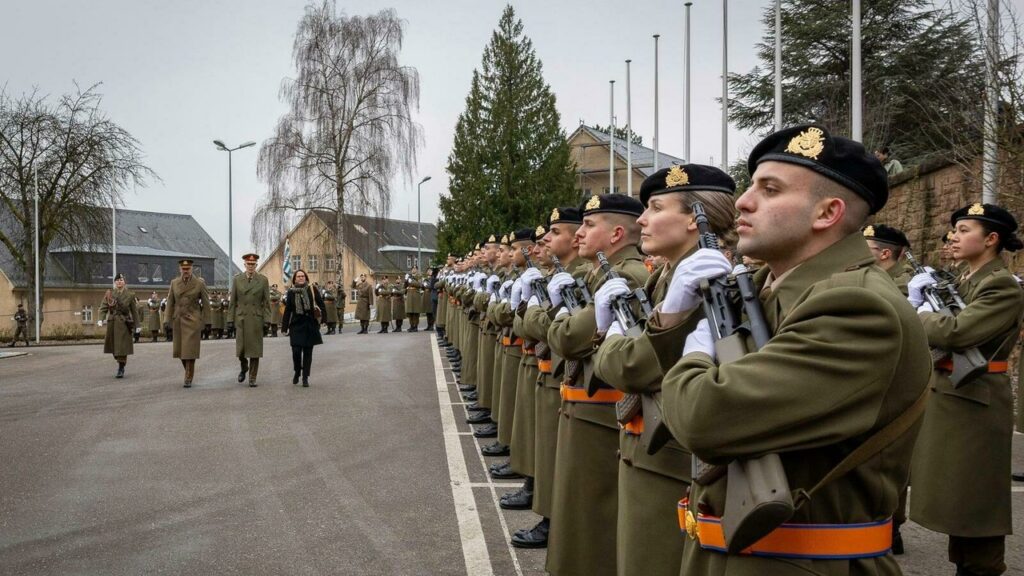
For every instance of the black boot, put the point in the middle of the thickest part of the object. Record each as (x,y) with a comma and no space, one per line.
(536,537)
(305,381)
(120,370)
(245,368)
(383,328)
(521,499)
(398,325)
(295,378)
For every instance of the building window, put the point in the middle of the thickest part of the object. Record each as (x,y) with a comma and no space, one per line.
(331,262)
(313,261)
(296,263)
(87,315)
(408,262)
(197,270)
(158,273)
(142,273)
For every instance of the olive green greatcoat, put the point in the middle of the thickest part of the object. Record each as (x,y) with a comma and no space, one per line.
(185,316)
(339,305)
(441,314)
(847,357)
(512,357)
(330,303)
(383,291)
(122,317)
(648,540)
(966,438)
(217,313)
(487,356)
(524,423)
(413,299)
(276,306)
(583,533)
(207,312)
(398,310)
(470,339)
(153,315)
(364,298)
(901,274)
(249,309)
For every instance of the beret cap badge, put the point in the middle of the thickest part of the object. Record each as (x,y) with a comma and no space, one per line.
(504,239)
(492,239)
(554,214)
(869,232)
(593,204)
(976,210)
(676,177)
(540,229)
(809,143)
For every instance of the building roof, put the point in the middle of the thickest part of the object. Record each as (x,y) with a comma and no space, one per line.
(643,157)
(138,233)
(366,236)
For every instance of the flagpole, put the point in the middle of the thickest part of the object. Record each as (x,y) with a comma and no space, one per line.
(856,105)
(656,36)
(611,136)
(778,65)
(629,137)
(686,90)
(725,85)
(990,149)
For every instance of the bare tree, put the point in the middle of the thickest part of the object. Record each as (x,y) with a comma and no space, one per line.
(84,161)
(349,129)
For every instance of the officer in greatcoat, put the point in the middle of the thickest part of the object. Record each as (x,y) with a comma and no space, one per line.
(364,299)
(121,317)
(184,312)
(249,309)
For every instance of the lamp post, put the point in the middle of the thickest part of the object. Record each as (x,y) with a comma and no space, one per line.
(220,146)
(35,244)
(419,240)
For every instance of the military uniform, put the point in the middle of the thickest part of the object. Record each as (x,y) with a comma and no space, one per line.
(966,438)
(248,311)
(364,299)
(21,329)
(398,304)
(583,533)
(383,291)
(165,320)
(330,309)
(217,314)
(153,317)
(121,316)
(184,311)
(275,310)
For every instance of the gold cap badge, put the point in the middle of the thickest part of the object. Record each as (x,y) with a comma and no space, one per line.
(809,143)
(869,232)
(504,239)
(492,239)
(676,177)
(593,204)
(976,210)
(539,231)
(949,235)
(555,215)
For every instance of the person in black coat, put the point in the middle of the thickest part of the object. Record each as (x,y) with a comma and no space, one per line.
(303,308)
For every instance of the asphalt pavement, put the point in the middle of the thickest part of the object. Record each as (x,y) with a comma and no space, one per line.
(371,470)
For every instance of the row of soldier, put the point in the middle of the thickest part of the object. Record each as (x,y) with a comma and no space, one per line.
(407,297)
(706,419)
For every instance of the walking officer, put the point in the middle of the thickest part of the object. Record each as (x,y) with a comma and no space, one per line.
(121,319)
(184,312)
(249,308)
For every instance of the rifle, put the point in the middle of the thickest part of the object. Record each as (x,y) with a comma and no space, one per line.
(631,323)
(758,497)
(944,299)
(539,286)
(568,294)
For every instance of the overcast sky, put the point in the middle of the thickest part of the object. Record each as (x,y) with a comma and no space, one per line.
(179,74)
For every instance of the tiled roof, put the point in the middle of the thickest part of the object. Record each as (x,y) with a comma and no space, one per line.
(643,157)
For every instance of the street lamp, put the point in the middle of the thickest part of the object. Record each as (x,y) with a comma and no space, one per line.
(419,234)
(220,146)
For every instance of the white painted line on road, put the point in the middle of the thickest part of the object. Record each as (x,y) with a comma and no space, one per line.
(1017,489)
(459,433)
(495,485)
(474,547)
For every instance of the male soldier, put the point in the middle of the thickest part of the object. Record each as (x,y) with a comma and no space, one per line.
(364,298)
(331,313)
(491,354)
(484,348)
(166,320)
(153,315)
(582,538)
(249,309)
(275,310)
(559,242)
(140,315)
(397,299)
(184,303)
(470,336)
(430,296)
(21,318)
(413,298)
(339,304)
(887,245)
(508,353)
(651,480)
(121,316)
(844,365)
(216,316)
(383,292)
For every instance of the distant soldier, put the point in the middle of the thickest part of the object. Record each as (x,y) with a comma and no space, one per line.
(249,309)
(331,312)
(153,316)
(339,305)
(275,310)
(887,245)
(414,298)
(364,298)
(21,318)
(217,316)
(121,319)
(166,320)
(398,305)
(228,331)
(207,317)
(383,293)
(184,311)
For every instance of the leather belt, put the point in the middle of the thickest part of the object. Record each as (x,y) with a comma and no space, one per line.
(809,541)
(544,366)
(635,426)
(579,394)
(509,341)
(994,367)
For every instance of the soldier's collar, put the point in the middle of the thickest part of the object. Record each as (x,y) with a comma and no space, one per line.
(991,266)
(850,253)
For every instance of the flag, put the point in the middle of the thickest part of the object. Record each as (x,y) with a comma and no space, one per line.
(287,269)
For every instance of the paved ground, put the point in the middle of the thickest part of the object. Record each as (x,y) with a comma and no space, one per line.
(369,471)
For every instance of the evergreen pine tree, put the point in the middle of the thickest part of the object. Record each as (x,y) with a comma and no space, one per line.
(510,161)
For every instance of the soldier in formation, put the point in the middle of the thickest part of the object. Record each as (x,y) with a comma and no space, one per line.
(217,316)
(165,320)
(121,316)
(397,298)
(248,311)
(339,305)
(364,299)
(275,310)
(383,293)
(329,294)
(635,406)
(153,316)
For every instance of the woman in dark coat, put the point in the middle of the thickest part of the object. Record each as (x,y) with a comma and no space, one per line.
(300,322)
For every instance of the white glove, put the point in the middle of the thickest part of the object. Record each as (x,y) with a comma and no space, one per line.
(478,279)
(606,294)
(527,280)
(503,291)
(917,284)
(700,340)
(615,328)
(533,301)
(926,307)
(516,293)
(684,290)
(555,285)
(492,282)
(493,298)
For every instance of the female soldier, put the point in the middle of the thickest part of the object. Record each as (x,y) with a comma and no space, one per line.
(302,312)
(967,432)
(121,317)
(648,540)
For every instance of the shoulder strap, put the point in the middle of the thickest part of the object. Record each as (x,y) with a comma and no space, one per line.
(872,446)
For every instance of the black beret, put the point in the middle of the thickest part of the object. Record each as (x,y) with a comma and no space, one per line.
(839,159)
(946,237)
(613,204)
(887,234)
(492,239)
(686,178)
(523,234)
(565,215)
(539,233)
(990,213)
(119,276)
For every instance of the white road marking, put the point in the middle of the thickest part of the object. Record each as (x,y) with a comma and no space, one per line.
(474,547)
(494,485)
